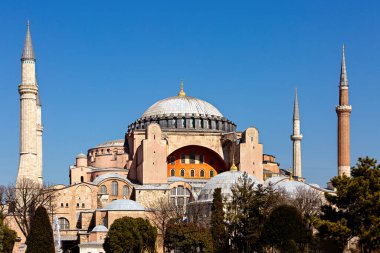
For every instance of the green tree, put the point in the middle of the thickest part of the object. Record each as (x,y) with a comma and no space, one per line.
(354,209)
(40,238)
(238,212)
(9,239)
(247,211)
(131,235)
(285,229)
(217,224)
(188,238)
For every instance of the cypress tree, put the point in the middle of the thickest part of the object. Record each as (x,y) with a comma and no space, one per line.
(40,238)
(217,226)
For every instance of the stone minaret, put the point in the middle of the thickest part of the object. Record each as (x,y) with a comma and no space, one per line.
(30,165)
(343,111)
(296,138)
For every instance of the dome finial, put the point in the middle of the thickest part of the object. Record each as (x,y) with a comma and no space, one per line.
(181,91)
(233,166)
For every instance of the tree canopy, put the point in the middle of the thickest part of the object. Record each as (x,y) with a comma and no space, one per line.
(188,237)
(128,234)
(217,224)
(354,211)
(285,229)
(40,238)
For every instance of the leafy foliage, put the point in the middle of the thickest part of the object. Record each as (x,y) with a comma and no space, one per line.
(131,235)
(188,238)
(40,238)
(217,225)
(247,212)
(354,211)
(285,229)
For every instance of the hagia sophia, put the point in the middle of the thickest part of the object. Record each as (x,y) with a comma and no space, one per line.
(181,148)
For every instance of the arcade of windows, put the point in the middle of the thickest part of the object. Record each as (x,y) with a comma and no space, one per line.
(114,189)
(202,173)
(191,159)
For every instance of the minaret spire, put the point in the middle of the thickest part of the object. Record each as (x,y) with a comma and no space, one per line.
(343,72)
(296,138)
(28,52)
(343,111)
(296,111)
(30,164)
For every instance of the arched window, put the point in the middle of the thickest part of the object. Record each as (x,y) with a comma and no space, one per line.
(64,223)
(180,196)
(103,189)
(211,173)
(201,159)
(125,191)
(182,172)
(202,174)
(81,179)
(114,188)
(172,172)
(172,160)
(192,173)
(183,158)
(192,157)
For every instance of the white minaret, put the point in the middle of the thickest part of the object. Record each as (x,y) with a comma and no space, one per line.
(296,138)
(29,118)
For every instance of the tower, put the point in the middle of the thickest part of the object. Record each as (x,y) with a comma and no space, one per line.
(30,165)
(296,138)
(343,111)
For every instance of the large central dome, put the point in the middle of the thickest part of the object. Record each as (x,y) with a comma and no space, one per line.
(181,113)
(182,105)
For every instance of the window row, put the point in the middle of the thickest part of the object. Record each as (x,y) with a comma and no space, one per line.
(114,189)
(191,158)
(202,173)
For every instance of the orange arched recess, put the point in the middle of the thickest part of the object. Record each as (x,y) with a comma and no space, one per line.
(195,162)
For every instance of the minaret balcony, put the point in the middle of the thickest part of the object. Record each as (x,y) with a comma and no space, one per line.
(296,137)
(343,108)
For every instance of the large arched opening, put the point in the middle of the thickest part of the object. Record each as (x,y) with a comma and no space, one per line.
(194,162)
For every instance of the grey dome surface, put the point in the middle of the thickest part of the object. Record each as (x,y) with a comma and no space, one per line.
(124,205)
(182,105)
(225,181)
(291,186)
(113,143)
(100,228)
(274,180)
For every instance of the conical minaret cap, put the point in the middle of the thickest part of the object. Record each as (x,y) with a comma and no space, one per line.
(296,111)
(343,72)
(28,52)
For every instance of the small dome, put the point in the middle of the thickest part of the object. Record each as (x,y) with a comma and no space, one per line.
(124,205)
(225,181)
(81,155)
(100,228)
(181,105)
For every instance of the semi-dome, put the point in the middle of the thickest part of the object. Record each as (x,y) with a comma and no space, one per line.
(178,105)
(225,181)
(124,205)
(290,186)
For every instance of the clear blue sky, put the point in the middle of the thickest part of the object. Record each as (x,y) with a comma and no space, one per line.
(101,64)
